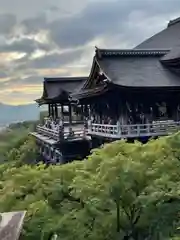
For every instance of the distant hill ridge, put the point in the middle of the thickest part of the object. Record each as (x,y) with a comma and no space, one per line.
(10,114)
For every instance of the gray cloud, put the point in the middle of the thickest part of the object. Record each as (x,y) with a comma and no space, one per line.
(56,60)
(34,25)
(7,22)
(97,19)
(51,61)
(106,19)
(24,45)
(73,26)
(3,74)
(34,79)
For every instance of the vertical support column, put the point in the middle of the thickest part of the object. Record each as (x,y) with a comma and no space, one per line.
(70,119)
(49,110)
(70,114)
(61,124)
(52,111)
(84,117)
(56,111)
(62,113)
(82,113)
(86,121)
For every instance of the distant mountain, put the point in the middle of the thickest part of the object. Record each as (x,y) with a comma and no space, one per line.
(11,114)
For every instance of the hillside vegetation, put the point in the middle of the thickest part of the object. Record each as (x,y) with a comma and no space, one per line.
(122,191)
(14,138)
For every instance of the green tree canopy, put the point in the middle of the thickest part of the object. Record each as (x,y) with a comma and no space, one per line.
(122,191)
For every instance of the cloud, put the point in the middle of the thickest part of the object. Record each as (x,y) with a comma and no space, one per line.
(7,23)
(51,37)
(24,45)
(56,60)
(106,19)
(3,75)
(34,25)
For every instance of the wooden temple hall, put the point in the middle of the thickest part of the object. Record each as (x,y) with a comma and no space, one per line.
(129,94)
(62,137)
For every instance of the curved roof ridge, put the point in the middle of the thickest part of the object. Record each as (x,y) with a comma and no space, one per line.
(64,79)
(174,21)
(130,52)
(132,49)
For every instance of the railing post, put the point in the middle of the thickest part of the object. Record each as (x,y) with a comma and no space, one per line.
(148,129)
(118,128)
(138,129)
(61,132)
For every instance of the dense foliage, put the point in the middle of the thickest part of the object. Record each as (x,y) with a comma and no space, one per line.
(13,137)
(122,191)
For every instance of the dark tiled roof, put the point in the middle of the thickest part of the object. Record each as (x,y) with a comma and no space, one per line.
(173,55)
(168,38)
(89,92)
(60,88)
(138,71)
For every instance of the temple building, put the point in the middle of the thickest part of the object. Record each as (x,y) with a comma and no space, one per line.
(135,93)
(129,94)
(61,137)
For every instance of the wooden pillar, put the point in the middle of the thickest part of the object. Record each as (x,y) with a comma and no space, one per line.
(86,110)
(70,114)
(70,119)
(61,124)
(49,110)
(62,113)
(52,111)
(56,111)
(82,113)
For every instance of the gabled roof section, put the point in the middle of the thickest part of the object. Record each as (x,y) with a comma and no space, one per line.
(136,68)
(130,68)
(59,89)
(104,54)
(167,38)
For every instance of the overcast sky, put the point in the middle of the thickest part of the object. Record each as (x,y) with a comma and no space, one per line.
(41,38)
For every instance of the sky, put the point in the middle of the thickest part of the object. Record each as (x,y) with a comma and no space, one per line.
(46,38)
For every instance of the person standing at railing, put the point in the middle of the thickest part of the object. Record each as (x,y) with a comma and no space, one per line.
(52,125)
(60,123)
(56,129)
(88,123)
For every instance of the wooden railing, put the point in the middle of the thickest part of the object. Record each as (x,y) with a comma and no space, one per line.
(113,131)
(48,132)
(103,129)
(54,134)
(136,130)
